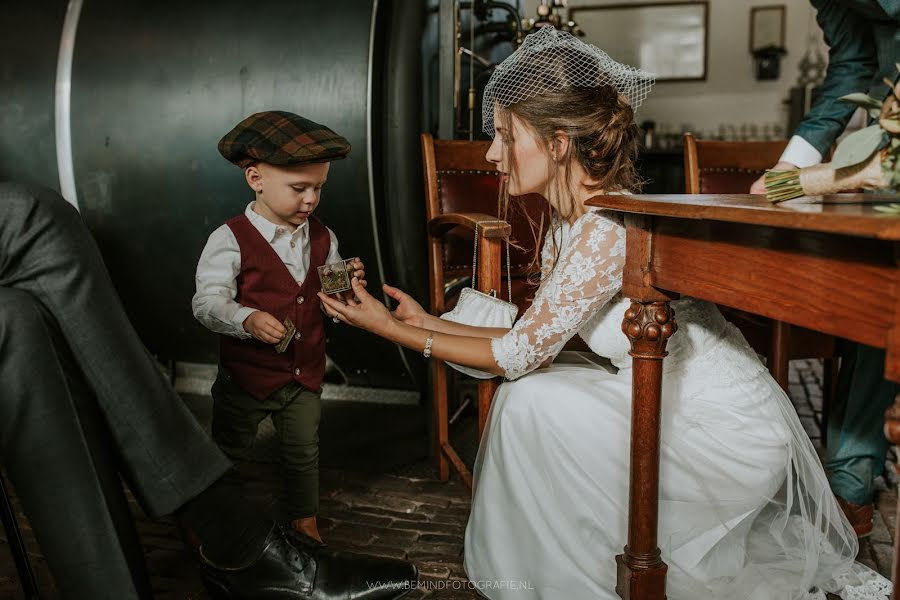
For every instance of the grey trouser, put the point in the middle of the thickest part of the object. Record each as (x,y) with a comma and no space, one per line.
(80,399)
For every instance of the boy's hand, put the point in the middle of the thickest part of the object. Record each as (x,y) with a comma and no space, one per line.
(360,273)
(264,327)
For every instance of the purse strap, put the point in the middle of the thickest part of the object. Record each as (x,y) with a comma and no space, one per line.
(475,261)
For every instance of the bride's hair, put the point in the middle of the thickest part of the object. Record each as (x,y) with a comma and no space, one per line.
(603,139)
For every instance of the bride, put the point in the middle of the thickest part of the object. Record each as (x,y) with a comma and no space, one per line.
(745,508)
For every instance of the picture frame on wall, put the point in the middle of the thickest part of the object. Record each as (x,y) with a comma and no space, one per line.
(767,27)
(668,39)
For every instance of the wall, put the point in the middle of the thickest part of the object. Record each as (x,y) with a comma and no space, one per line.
(730,94)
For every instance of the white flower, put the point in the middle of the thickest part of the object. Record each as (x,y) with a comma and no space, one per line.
(513,353)
(567,318)
(579,269)
(542,333)
(596,237)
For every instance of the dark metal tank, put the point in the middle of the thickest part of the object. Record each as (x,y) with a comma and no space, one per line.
(154,85)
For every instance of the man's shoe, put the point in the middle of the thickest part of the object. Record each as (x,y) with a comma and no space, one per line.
(289,569)
(859,515)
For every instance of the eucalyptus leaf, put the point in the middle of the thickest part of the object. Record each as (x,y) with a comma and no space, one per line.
(857,147)
(860,99)
(891,209)
(875,113)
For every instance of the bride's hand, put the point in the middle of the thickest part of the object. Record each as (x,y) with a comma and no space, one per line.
(364,312)
(408,310)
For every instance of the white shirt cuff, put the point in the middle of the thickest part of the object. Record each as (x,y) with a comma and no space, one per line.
(800,153)
(238,320)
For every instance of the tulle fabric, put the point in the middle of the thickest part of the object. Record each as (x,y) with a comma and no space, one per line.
(745,508)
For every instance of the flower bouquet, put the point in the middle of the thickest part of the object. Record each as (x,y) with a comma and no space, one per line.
(866,159)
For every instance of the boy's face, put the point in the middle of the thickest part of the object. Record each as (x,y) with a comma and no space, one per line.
(287,195)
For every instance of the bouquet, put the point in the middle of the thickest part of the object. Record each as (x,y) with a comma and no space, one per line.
(867,158)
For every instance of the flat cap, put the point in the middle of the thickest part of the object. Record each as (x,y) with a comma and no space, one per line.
(281,138)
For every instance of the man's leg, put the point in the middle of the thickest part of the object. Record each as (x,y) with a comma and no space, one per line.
(55,448)
(856,443)
(167,458)
(45,249)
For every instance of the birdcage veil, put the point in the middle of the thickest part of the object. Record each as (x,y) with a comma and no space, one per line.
(550,60)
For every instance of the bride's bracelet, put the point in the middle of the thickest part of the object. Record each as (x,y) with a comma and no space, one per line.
(427,351)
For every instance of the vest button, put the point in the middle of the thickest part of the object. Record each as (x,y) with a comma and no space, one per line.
(297,336)
(300,299)
(296,371)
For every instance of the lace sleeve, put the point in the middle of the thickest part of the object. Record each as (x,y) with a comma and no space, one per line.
(587,275)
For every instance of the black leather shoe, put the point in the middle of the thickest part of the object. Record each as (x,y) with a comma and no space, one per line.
(290,568)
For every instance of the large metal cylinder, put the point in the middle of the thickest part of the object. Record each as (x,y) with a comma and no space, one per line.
(155,85)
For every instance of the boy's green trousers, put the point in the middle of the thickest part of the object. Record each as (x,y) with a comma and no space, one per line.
(295,412)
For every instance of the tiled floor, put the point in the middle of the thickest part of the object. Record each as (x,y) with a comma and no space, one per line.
(403,514)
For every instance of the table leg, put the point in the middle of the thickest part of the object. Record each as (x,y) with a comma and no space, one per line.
(641,571)
(892,433)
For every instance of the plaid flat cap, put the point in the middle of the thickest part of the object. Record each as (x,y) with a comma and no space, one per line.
(281,138)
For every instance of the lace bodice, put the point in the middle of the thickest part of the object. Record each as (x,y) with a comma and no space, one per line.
(581,294)
(586,275)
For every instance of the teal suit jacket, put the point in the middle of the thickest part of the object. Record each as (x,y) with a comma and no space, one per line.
(863,37)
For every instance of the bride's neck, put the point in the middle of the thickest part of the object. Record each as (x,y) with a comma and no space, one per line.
(585,190)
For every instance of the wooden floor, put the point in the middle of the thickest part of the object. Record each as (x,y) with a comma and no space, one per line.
(404,513)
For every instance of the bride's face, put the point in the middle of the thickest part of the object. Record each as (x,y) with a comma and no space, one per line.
(519,156)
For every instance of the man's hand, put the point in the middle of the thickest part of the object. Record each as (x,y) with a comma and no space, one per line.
(264,327)
(759,186)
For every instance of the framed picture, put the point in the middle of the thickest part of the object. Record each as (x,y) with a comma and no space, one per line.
(766,27)
(668,39)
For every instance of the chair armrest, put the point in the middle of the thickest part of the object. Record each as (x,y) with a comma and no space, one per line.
(494,229)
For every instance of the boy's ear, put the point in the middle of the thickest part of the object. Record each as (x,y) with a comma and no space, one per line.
(254,178)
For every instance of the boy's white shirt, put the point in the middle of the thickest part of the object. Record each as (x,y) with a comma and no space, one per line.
(214,303)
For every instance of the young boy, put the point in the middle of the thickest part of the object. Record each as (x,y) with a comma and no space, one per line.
(258,269)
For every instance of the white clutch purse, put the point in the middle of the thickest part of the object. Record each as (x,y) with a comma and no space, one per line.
(482,310)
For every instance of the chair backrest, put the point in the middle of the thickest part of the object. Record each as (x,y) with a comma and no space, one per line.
(458,179)
(716,167)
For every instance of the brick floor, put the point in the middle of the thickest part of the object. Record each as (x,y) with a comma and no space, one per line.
(405,514)
(876,551)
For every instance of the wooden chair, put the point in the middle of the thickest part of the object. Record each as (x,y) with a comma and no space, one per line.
(461,188)
(716,167)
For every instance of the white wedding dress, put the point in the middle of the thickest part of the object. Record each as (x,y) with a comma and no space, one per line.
(745,510)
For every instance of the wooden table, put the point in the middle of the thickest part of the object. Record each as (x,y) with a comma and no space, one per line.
(830,265)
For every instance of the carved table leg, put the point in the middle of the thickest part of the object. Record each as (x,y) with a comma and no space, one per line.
(641,571)
(892,433)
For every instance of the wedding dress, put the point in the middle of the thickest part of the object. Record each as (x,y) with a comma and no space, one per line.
(745,510)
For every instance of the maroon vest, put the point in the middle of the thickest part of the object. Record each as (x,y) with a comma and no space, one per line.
(266,284)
